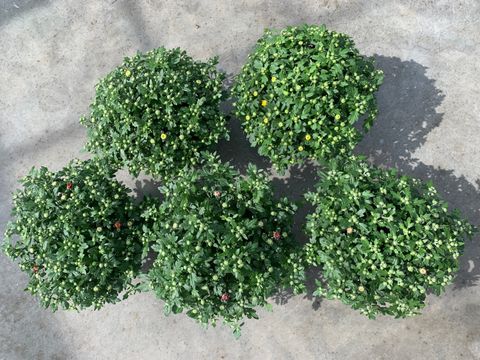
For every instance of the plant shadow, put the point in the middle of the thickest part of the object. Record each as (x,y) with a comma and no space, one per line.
(237,150)
(147,188)
(312,275)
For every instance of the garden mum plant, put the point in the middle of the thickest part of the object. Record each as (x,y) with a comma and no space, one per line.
(75,234)
(382,240)
(224,244)
(300,93)
(156,112)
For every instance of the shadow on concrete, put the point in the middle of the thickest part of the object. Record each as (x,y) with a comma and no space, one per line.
(147,187)
(312,275)
(407,103)
(238,151)
(150,188)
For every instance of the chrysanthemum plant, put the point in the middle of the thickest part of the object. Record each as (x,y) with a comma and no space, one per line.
(300,93)
(156,112)
(383,240)
(224,244)
(75,234)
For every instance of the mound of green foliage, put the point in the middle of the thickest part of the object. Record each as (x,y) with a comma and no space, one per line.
(157,112)
(382,240)
(75,234)
(224,244)
(300,93)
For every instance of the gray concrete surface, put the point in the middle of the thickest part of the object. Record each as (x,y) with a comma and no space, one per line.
(52,52)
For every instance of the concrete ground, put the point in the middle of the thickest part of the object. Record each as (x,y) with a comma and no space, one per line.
(52,53)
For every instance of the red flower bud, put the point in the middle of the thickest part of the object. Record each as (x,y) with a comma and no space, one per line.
(277,235)
(69,186)
(35,269)
(225,297)
(217,193)
(118,225)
